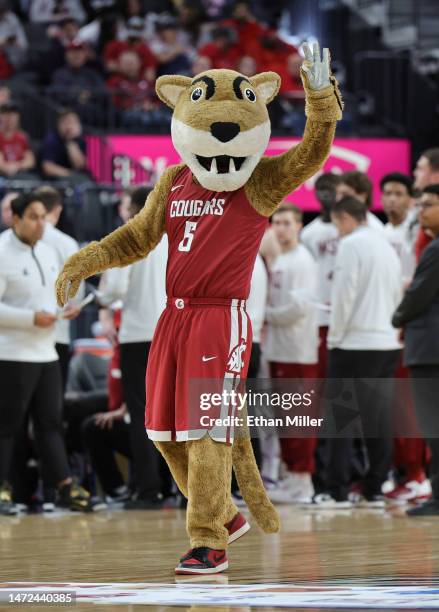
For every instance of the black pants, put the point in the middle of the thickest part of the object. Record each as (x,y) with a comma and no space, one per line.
(35,389)
(152,473)
(425,387)
(101,444)
(63,351)
(372,402)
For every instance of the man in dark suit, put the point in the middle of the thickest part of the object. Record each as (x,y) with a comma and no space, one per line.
(418,314)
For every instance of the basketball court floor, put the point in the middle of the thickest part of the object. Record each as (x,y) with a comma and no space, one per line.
(322,559)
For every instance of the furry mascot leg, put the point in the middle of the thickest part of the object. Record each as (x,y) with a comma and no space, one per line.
(209,502)
(207,488)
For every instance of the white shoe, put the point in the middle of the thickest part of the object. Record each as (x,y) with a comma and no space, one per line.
(325,500)
(359,501)
(299,485)
(280,495)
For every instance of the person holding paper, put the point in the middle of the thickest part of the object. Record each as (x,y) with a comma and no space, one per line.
(29,365)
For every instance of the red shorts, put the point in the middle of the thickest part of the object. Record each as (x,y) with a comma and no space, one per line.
(197,342)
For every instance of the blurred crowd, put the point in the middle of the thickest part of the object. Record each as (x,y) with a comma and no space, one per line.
(347,296)
(102,59)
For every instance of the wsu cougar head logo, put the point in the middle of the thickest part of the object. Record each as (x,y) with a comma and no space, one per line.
(236,362)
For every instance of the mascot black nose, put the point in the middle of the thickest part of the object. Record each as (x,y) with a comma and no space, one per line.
(224,131)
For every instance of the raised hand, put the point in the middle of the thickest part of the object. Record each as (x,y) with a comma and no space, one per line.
(317,70)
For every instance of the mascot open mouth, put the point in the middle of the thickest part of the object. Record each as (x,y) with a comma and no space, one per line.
(221,164)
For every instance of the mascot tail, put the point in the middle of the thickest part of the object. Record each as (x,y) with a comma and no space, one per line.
(251,486)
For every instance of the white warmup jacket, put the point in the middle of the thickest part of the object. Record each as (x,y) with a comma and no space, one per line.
(27,285)
(292,331)
(142,289)
(322,241)
(257,298)
(366,291)
(403,239)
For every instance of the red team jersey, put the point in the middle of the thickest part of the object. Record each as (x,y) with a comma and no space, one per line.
(204,334)
(214,238)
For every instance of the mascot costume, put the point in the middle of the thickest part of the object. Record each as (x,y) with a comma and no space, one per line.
(214,208)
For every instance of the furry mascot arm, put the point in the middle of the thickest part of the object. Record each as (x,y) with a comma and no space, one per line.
(275,177)
(126,245)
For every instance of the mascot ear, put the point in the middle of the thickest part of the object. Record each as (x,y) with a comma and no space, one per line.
(267,85)
(169,88)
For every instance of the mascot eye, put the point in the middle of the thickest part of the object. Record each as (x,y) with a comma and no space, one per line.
(196,94)
(250,95)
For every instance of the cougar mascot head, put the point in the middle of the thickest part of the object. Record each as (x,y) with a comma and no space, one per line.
(220,126)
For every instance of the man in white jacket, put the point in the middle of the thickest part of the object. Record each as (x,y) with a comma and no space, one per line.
(141,288)
(64,246)
(358,185)
(291,344)
(362,343)
(321,238)
(29,368)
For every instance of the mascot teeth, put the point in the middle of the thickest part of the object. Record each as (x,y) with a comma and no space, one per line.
(221,164)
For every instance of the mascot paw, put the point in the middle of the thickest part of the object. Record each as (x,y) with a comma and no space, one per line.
(67,285)
(317,70)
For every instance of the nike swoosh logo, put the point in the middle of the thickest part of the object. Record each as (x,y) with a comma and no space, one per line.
(176,187)
(207,358)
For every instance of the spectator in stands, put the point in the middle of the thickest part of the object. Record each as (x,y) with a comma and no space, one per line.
(170,47)
(30,375)
(135,96)
(6,210)
(418,315)
(362,344)
(50,11)
(247,28)
(77,85)
(105,26)
(200,64)
(358,185)
(193,22)
(61,36)
(134,42)
(13,41)
(247,66)
(16,157)
(63,152)
(223,51)
(5,95)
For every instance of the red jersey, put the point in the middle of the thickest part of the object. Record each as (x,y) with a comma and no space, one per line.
(214,238)
(114,49)
(14,148)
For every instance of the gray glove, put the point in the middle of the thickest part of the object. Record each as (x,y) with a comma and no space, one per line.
(317,70)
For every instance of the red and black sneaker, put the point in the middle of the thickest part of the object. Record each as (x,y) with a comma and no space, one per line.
(237,527)
(203,560)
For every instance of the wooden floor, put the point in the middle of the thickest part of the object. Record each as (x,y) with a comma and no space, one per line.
(348,547)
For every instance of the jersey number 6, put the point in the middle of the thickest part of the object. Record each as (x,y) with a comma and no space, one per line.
(189,230)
